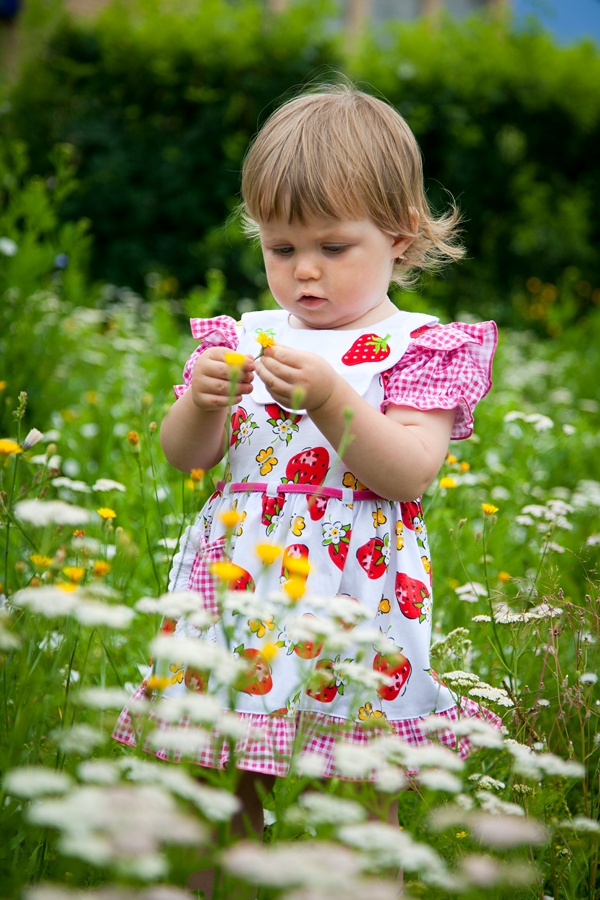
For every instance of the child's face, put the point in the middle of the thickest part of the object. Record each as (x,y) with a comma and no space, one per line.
(330,273)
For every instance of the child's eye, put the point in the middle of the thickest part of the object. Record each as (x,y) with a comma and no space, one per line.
(282,251)
(335,248)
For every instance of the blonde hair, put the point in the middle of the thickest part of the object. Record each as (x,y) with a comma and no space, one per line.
(339,153)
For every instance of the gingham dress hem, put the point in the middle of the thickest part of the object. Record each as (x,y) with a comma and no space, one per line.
(271,743)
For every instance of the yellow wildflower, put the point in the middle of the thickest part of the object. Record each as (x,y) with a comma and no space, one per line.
(267,553)
(451,459)
(230,518)
(197,474)
(156,683)
(40,561)
(465,466)
(265,339)
(8,447)
(101,568)
(3,385)
(91,397)
(269,651)
(489,509)
(461,834)
(447,482)
(67,587)
(234,359)
(295,588)
(74,573)
(105,513)
(79,533)
(226,571)
(297,565)
(133,438)
(504,576)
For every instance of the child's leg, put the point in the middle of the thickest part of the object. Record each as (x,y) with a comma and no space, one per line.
(249,822)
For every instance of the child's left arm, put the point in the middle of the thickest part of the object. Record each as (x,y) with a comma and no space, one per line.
(397,454)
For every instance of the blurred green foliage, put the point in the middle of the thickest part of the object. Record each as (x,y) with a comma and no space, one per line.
(159,102)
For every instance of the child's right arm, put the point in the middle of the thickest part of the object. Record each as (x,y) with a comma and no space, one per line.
(192,434)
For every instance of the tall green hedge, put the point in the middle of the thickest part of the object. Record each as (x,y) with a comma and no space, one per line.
(160,99)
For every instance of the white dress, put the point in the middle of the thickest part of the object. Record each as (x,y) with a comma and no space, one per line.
(337,540)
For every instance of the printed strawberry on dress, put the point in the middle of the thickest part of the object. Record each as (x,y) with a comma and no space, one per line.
(272,507)
(256,679)
(306,649)
(284,424)
(325,685)
(310,466)
(374,556)
(197,679)
(413,597)
(395,666)
(368,348)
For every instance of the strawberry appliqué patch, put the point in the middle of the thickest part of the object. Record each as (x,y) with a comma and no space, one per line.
(368,348)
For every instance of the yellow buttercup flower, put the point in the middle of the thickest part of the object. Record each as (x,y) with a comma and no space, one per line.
(265,339)
(297,565)
(269,651)
(489,509)
(268,553)
(226,571)
(8,447)
(197,474)
(504,577)
(39,561)
(235,359)
(230,518)
(465,466)
(101,568)
(451,459)
(105,513)
(74,573)
(295,588)
(447,482)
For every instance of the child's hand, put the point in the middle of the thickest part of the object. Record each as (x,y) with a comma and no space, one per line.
(295,378)
(219,380)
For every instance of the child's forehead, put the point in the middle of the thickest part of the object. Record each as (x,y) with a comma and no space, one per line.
(314,228)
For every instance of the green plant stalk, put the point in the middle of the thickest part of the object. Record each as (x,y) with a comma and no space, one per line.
(145,518)
(499,649)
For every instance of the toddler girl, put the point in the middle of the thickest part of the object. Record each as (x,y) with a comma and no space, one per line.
(334,413)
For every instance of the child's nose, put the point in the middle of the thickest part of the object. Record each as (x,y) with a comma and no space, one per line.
(307,267)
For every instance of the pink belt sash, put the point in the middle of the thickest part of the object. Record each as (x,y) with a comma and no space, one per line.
(271,489)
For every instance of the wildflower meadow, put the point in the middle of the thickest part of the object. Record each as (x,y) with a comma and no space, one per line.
(90,519)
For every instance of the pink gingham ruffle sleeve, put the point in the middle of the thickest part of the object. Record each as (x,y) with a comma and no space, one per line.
(445,367)
(221,331)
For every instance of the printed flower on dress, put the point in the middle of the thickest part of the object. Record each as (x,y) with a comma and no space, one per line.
(351,481)
(266,460)
(242,427)
(298,526)
(284,424)
(378,517)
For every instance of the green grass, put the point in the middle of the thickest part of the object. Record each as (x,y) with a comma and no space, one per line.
(513,524)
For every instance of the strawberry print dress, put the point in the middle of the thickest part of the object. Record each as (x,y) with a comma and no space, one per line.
(338,545)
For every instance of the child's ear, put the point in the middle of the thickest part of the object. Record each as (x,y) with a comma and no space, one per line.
(402,242)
